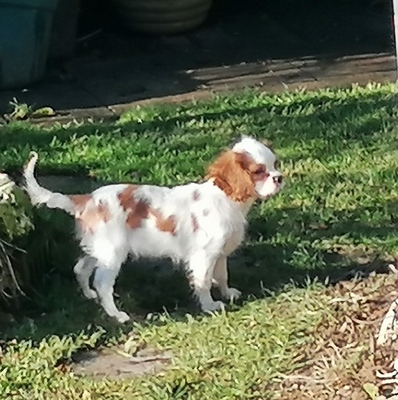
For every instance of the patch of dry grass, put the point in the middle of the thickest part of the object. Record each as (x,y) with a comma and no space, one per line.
(342,359)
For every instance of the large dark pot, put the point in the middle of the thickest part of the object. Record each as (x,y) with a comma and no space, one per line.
(162,16)
(64,28)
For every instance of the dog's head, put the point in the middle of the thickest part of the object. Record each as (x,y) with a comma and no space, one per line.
(247,171)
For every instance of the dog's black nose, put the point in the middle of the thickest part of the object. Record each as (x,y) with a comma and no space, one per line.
(278,179)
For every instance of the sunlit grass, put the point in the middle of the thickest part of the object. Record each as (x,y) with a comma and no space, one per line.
(338,212)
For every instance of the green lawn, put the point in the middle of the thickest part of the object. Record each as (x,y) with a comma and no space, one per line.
(338,150)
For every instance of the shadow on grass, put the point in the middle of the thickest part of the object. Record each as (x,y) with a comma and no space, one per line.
(325,251)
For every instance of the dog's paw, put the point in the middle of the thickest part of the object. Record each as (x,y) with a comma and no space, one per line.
(213,306)
(90,294)
(232,294)
(122,317)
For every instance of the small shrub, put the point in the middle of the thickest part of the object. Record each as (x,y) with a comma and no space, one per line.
(32,242)
(15,222)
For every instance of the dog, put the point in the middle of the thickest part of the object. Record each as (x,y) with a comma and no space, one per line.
(197,224)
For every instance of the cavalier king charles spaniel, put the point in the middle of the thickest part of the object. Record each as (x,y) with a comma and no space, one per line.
(197,224)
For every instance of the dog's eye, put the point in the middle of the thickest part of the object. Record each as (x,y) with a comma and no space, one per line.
(259,170)
(276,164)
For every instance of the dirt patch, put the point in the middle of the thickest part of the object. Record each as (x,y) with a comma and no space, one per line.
(114,364)
(342,360)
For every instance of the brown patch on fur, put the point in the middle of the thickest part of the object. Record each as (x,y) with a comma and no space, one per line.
(231,172)
(80,200)
(137,214)
(126,198)
(88,215)
(136,210)
(164,224)
(195,225)
(196,195)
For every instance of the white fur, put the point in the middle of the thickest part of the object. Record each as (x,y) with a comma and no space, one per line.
(221,227)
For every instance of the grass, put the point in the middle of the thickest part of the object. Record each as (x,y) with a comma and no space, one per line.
(338,212)
(227,356)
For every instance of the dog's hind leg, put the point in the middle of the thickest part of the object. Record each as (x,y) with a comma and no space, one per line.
(104,281)
(109,261)
(83,271)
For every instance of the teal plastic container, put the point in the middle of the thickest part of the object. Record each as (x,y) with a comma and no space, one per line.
(25,27)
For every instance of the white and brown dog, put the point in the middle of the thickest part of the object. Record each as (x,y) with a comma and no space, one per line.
(198,224)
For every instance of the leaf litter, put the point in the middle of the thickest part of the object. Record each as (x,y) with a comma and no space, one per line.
(344,359)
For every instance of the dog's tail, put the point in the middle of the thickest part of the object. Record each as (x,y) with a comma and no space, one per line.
(39,195)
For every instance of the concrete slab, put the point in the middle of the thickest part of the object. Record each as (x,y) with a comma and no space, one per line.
(62,96)
(130,81)
(351,66)
(346,80)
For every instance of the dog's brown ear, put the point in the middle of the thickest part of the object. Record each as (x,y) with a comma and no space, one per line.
(230,173)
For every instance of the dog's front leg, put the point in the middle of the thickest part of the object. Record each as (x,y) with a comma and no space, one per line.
(201,267)
(220,275)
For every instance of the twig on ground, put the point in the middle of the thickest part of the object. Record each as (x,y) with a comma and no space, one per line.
(388,326)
